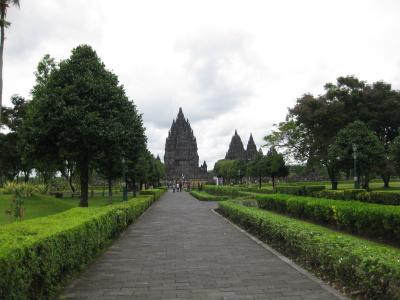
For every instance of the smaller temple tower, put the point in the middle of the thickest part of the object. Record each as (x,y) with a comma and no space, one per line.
(251,149)
(236,149)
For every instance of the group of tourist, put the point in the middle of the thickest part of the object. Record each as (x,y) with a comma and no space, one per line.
(178,186)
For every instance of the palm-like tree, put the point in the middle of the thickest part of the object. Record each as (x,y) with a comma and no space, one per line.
(4,5)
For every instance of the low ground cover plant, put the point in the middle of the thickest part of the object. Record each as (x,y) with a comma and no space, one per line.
(369,269)
(376,221)
(38,255)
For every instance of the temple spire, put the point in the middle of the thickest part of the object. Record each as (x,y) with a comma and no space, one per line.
(236,149)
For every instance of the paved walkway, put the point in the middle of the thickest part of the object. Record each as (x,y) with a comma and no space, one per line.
(181,249)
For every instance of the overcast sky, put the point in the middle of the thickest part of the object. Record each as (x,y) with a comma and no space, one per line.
(229,64)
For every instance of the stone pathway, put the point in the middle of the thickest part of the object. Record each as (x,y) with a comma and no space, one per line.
(181,249)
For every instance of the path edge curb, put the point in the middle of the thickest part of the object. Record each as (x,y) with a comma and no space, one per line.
(285,259)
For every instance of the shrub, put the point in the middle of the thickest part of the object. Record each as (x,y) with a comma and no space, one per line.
(203,196)
(300,190)
(37,256)
(221,190)
(372,220)
(371,269)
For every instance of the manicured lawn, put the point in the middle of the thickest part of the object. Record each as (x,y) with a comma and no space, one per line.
(44,205)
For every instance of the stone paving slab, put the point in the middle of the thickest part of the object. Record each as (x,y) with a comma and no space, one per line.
(180,249)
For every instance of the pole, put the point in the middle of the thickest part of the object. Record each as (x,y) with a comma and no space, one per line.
(356,181)
(125,187)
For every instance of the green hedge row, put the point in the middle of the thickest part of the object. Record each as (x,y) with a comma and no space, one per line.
(376,221)
(300,190)
(380,197)
(263,190)
(388,198)
(370,269)
(203,196)
(157,193)
(348,194)
(37,256)
(221,190)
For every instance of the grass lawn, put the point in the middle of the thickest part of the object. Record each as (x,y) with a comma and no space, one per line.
(43,205)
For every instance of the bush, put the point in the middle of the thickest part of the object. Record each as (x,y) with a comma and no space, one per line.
(300,190)
(370,269)
(372,220)
(221,190)
(203,196)
(37,256)
(388,198)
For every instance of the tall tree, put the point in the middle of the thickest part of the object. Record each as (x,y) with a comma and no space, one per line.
(4,5)
(259,167)
(369,150)
(276,165)
(78,110)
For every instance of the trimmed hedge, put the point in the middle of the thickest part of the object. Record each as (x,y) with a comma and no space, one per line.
(221,190)
(203,196)
(157,193)
(263,190)
(300,190)
(370,269)
(372,220)
(37,256)
(388,198)
(348,194)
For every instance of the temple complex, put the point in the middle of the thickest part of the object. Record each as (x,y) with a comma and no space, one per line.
(237,151)
(181,158)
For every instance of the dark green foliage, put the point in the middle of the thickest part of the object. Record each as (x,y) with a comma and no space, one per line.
(376,221)
(370,151)
(37,256)
(220,190)
(203,196)
(301,190)
(80,113)
(370,269)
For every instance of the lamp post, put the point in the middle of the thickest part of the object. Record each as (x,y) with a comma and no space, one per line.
(125,187)
(356,181)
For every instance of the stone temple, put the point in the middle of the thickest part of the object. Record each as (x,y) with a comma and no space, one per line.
(181,159)
(237,151)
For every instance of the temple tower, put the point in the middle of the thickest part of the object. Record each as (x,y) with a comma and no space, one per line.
(181,158)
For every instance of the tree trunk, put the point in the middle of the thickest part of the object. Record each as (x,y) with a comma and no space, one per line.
(109,189)
(273,182)
(134,188)
(333,177)
(386,180)
(365,182)
(84,174)
(71,185)
(2,38)
(26,176)
(259,181)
